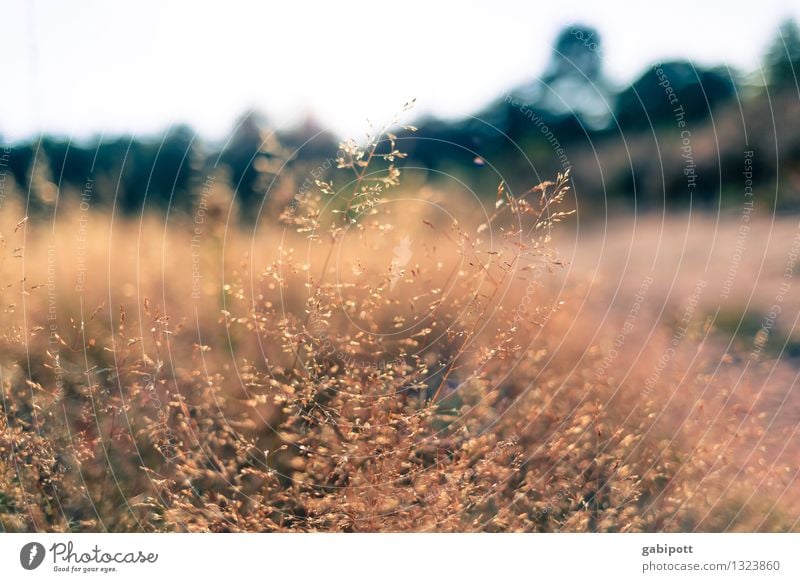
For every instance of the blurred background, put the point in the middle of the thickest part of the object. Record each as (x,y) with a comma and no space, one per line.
(149,151)
(652,107)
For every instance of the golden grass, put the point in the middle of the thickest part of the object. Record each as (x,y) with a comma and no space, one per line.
(380,365)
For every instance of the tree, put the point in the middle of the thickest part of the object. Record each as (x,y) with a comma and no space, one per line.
(247,145)
(573,83)
(655,96)
(783,58)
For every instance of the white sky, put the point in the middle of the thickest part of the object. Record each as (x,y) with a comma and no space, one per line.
(84,67)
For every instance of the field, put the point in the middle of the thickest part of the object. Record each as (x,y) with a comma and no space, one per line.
(394,359)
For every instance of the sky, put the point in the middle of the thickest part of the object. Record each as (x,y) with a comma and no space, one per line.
(90,67)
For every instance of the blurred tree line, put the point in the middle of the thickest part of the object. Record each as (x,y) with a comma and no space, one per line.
(676,135)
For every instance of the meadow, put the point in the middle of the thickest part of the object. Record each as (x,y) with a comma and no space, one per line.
(386,357)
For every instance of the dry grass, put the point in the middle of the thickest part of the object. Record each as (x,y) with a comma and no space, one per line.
(378,365)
